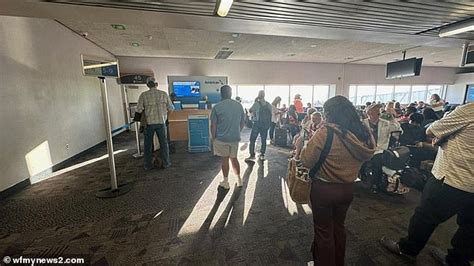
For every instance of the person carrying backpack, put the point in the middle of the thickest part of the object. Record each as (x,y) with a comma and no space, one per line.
(262,110)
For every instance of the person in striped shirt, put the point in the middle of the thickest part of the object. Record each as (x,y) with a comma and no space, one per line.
(450,193)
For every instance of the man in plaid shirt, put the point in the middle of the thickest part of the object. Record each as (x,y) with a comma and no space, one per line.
(156,105)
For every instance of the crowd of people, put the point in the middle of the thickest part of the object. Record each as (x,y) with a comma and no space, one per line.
(357,137)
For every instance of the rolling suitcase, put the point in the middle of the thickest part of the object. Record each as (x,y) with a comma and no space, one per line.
(281,137)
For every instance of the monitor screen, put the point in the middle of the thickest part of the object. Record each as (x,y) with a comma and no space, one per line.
(469,94)
(404,68)
(187,88)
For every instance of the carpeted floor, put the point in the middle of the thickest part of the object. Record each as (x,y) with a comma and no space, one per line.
(178,216)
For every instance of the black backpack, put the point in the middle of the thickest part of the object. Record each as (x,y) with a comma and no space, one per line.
(264,115)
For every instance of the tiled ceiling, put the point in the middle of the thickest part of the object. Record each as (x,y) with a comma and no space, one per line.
(390,21)
(186,43)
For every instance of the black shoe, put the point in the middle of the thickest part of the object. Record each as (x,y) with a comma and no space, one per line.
(392,246)
(439,255)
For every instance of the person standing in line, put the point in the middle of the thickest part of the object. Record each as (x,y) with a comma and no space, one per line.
(332,187)
(156,104)
(450,193)
(227,120)
(275,116)
(262,112)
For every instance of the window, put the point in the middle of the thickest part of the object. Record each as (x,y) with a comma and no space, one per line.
(418,93)
(314,94)
(234,91)
(272,91)
(402,94)
(306,92)
(248,93)
(384,93)
(352,93)
(365,93)
(360,94)
(320,95)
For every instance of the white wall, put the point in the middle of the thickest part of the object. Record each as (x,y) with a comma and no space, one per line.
(46,103)
(456,92)
(262,72)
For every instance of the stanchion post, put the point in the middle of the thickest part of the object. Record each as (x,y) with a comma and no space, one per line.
(108,133)
(137,137)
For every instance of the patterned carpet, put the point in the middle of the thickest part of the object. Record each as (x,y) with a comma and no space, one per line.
(178,216)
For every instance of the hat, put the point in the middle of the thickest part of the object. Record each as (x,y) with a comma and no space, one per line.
(372,106)
(151,82)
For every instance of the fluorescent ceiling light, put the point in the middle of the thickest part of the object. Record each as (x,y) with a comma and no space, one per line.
(223,7)
(457,28)
(100,65)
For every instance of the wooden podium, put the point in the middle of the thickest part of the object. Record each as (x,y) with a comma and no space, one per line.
(178,122)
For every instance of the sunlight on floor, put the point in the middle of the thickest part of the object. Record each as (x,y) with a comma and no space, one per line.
(203,207)
(290,205)
(79,165)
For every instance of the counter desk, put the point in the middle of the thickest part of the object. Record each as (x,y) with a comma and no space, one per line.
(178,122)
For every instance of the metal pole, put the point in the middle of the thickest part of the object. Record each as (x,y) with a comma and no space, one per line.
(108,133)
(137,137)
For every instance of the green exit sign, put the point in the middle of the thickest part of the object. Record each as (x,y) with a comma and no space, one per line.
(118,26)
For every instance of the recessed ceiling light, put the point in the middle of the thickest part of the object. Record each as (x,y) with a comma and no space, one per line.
(135,44)
(437,62)
(225,48)
(118,26)
(235,35)
(291,54)
(231,41)
(313,45)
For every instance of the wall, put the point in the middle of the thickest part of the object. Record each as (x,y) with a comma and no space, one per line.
(456,92)
(46,103)
(262,72)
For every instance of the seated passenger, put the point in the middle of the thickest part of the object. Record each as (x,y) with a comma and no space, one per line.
(413,133)
(307,133)
(429,116)
(390,111)
(381,130)
(437,104)
(306,123)
(292,119)
(405,118)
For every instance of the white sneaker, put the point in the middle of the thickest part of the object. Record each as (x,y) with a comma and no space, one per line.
(261,157)
(239,182)
(310,263)
(224,184)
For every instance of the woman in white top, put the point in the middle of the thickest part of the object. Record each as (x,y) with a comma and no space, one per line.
(437,105)
(275,116)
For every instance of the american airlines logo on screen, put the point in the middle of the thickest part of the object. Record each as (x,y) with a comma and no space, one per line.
(214,82)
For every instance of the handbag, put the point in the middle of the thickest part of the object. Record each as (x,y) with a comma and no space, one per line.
(300,177)
(137,117)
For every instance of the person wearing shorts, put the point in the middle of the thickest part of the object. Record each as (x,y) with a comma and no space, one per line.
(227,120)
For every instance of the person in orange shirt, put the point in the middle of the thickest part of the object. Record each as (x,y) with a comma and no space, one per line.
(298,104)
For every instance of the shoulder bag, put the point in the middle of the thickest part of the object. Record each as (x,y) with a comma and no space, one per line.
(300,177)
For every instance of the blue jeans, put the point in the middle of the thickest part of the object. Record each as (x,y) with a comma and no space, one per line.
(160,130)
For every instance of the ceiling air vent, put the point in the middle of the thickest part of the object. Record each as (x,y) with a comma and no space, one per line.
(223,54)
